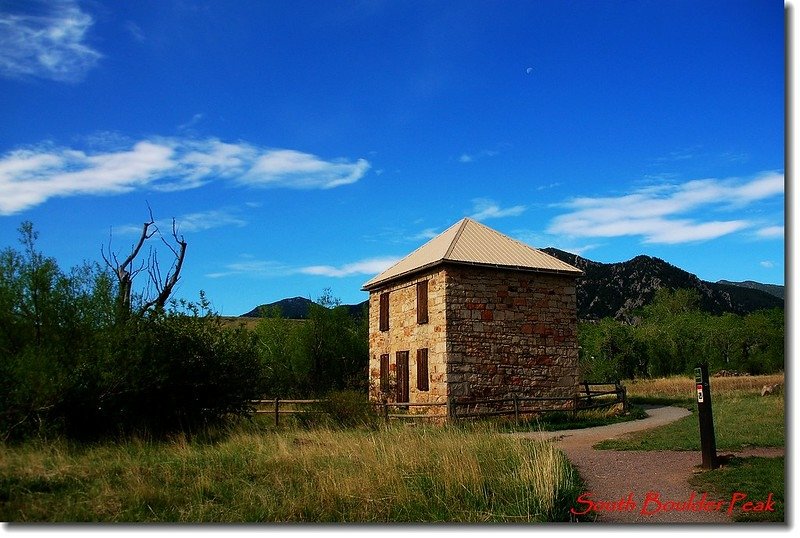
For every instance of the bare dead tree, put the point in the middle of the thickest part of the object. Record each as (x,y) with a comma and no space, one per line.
(128,269)
(165,285)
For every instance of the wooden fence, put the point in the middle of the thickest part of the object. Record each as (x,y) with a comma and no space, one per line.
(591,396)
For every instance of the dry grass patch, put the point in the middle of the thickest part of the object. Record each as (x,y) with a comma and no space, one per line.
(396,474)
(681,387)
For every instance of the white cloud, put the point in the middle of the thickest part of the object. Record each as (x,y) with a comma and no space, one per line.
(767,264)
(290,168)
(269,268)
(370,266)
(484,208)
(659,214)
(47,41)
(771,232)
(28,177)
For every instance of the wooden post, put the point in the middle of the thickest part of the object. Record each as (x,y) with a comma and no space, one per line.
(588,392)
(277,404)
(516,409)
(708,442)
(624,394)
(575,406)
(451,408)
(385,409)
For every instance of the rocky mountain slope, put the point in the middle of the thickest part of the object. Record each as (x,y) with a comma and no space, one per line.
(614,290)
(617,289)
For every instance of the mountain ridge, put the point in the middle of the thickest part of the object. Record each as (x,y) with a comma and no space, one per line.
(614,290)
(618,289)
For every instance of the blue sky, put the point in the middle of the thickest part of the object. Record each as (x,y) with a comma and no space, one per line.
(308,145)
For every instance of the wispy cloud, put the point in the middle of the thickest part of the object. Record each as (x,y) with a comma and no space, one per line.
(270,268)
(46,39)
(191,222)
(29,177)
(135,31)
(290,168)
(770,232)
(767,264)
(659,214)
(471,157)
(368,266)
(254,268)
(484,208)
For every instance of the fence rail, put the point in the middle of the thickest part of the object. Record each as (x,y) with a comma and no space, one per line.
(592,396)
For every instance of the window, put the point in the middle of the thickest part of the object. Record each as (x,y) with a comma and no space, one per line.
(422,369)
(422,302)
(385,373)
(384,323)
(402,376)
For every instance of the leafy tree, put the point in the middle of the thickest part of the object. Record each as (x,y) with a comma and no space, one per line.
(671,335)
(69,363)
(328,351)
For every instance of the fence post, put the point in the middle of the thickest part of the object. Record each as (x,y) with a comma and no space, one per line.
(575,406)
(276,411)
(385,410)
(624,400)
(516,409)
(451,408)
(588,392)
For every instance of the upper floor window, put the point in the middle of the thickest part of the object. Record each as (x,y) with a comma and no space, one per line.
(384,321)
(422,302)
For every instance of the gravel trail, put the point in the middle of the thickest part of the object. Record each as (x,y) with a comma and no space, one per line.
(642,486)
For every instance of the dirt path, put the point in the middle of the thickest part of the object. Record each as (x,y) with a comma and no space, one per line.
(638,482)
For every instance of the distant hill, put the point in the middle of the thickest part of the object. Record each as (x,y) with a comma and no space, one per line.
(772,289)
(297,308)
(614,290)
(617,289)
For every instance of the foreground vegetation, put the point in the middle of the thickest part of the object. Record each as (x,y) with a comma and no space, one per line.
(85,354)
(411,474)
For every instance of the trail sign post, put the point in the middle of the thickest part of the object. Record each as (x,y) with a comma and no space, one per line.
(708,443)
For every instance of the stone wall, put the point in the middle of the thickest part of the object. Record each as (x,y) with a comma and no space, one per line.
(510,333)
(405,334)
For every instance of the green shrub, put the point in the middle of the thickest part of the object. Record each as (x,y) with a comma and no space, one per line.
(348,408)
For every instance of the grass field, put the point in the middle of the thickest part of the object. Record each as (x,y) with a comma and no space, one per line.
(755,477)
(741,420)
(399,474)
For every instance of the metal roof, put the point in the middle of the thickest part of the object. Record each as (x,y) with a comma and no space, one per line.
(470,242)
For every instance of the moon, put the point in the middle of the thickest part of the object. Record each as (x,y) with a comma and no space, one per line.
(529,70)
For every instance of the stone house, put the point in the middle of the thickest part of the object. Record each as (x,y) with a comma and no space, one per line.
(473,314)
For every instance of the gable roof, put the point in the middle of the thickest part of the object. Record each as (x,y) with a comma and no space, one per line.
(470,242)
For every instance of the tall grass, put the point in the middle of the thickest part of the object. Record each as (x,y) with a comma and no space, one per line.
(683,387)
(409,474)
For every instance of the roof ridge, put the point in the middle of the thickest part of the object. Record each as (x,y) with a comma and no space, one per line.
(449,251)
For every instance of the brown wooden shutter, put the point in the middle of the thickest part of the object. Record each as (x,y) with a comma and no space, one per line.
(384,323)
(402,376)
(422,302)
(385,373)
(422,369)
